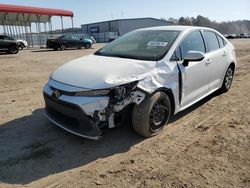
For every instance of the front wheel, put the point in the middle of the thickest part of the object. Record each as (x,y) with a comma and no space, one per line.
(87,45)
(150,117)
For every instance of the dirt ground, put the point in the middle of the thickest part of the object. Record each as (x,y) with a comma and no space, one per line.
(207,145)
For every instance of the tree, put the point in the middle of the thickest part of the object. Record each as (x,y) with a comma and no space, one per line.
(185,21)
(202,21)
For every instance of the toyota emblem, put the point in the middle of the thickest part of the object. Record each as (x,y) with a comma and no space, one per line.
(57,93)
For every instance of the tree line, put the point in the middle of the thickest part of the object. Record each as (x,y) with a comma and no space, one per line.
(231,27)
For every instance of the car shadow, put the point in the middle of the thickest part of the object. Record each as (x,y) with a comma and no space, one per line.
(7,54)
(32,148)
(179,115)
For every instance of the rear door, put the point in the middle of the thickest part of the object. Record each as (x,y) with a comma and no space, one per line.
(195,77)
(217,53)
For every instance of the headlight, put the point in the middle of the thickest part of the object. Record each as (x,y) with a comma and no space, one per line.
(117,93)
(121,92)
(99,92)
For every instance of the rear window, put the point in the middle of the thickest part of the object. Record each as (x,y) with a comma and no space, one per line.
(211,41)
(222,42)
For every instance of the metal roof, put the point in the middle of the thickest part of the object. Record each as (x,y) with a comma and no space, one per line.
(129,19)
(14,14)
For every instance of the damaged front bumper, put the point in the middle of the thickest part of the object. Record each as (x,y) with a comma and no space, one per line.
(84,116)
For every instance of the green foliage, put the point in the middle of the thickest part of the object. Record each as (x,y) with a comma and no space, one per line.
(240,26)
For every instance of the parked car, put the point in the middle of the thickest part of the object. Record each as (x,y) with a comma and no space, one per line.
(86,37)
(147,74)
(8,45)
(232,36)
(68,41)
(243,36)
(21,42)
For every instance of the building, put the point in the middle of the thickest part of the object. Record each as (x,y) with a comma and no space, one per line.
(101,30)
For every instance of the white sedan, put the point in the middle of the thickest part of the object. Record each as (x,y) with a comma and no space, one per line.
(144,76)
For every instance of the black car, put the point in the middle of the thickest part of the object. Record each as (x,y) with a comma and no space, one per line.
(68,41)
(8,45)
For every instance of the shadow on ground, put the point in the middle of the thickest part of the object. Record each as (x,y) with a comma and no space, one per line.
(32,148)
(7,54)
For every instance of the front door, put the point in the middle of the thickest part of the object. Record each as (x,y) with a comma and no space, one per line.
(195,76)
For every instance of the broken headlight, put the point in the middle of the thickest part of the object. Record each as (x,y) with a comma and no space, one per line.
(119,93)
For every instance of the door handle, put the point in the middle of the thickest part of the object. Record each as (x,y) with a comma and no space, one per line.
(224,54)
(208,61)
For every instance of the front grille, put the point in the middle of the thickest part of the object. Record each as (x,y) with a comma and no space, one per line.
(63,107)
(70,116)
(63,117)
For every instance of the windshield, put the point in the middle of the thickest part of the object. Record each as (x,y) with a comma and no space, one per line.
(141,44)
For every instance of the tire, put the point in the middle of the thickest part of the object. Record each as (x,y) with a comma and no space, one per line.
(87,46)
(228,79)
(55,48)
(63,47)
(150,117)
(13,50)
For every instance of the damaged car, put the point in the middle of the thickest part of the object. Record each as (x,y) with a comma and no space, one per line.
(146,75)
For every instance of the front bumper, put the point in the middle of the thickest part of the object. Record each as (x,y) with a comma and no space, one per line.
(74,114)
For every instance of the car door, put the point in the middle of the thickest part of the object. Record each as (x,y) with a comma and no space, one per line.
(3,44)
(217,54)
(67,41)
(77,41)
(195,76)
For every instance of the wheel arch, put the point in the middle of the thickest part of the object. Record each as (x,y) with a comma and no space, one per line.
(233,65)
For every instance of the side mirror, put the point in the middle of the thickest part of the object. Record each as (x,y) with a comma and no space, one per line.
(193,56)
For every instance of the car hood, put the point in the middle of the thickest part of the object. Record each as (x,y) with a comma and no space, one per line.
(98,72)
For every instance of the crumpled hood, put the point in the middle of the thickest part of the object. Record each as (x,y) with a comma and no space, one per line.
(98,72)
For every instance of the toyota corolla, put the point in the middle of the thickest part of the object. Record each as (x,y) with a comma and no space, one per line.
(146,75)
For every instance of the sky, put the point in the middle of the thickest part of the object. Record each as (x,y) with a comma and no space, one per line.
(88,11)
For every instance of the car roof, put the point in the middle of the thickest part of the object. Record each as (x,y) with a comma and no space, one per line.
(175,28)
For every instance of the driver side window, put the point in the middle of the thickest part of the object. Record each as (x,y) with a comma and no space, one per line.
(192,42)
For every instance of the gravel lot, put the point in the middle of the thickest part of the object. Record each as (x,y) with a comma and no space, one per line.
(207,145)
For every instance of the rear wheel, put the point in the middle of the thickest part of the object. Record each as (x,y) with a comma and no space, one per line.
(150,117)
(228,79)
(13,50)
